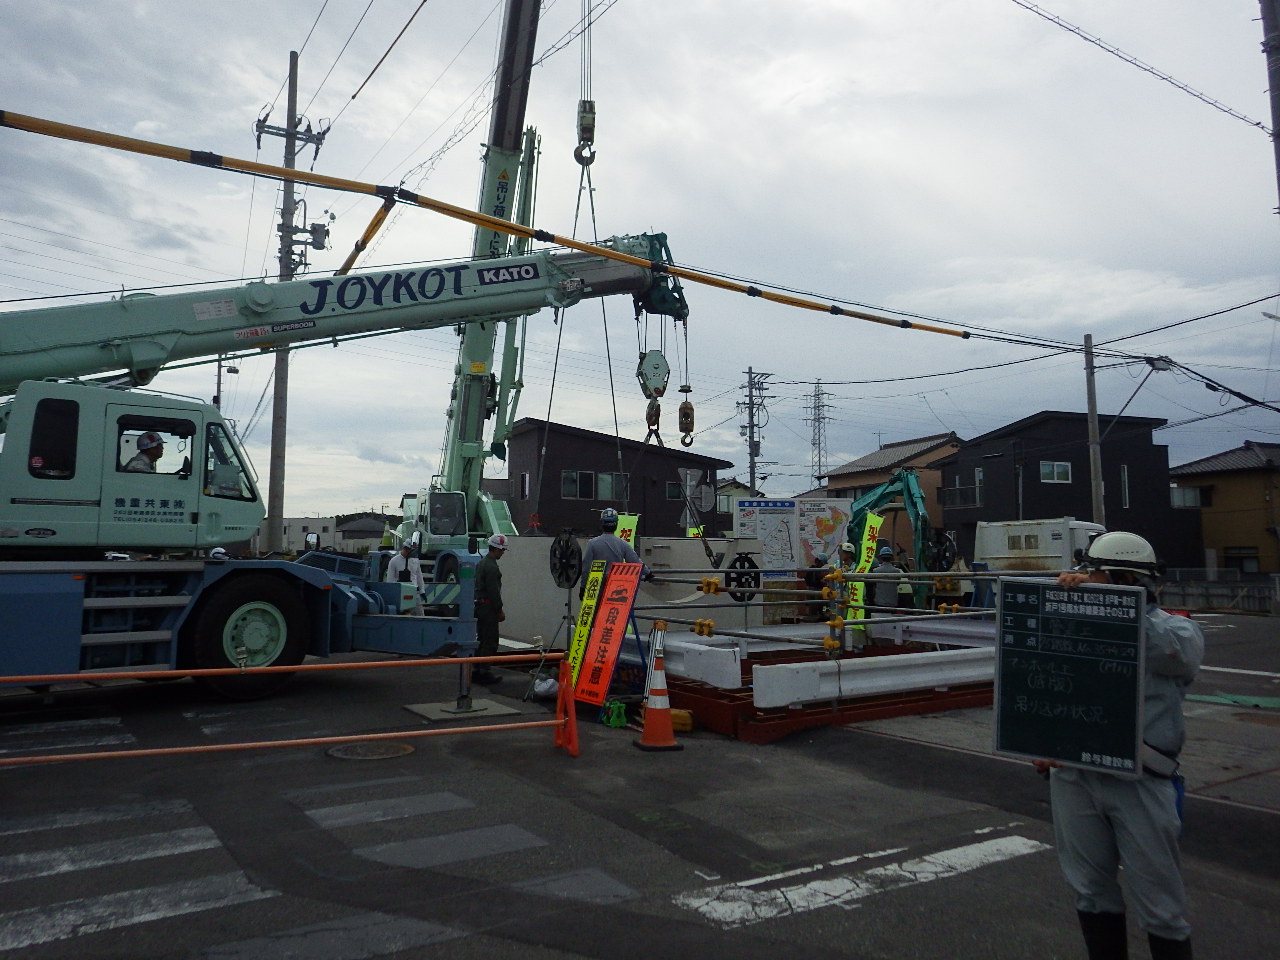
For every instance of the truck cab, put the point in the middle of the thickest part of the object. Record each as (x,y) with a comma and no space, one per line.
(75,478)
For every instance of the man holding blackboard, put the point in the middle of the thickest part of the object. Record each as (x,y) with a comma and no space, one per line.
(1102,821)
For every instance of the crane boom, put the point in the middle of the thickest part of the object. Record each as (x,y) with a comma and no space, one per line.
(142,333)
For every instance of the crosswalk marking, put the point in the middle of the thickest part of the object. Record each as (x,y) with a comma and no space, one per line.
(81,818)
(739,904)
(74,918)
(87,856)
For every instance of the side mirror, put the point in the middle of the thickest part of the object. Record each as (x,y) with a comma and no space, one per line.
(312,540)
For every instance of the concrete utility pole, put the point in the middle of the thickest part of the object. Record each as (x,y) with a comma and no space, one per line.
(280,394)
(751,429)
(287,268)
(1095,444)
(1271,47)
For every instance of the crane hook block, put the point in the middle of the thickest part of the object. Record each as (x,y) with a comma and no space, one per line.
(685,417)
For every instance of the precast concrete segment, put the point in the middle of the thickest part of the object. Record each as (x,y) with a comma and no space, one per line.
(740,904)
(784,684)
(75,918)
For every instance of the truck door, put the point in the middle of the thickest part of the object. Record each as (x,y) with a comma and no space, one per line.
(150,485)
(49,473)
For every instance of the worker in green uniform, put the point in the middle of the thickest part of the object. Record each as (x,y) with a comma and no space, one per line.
(489,612)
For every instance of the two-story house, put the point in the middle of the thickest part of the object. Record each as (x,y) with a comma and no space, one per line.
(1037,468)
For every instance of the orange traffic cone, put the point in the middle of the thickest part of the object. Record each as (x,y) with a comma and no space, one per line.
(658,733)
(566,712)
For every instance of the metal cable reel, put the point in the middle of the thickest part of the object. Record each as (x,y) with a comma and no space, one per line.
(566,559)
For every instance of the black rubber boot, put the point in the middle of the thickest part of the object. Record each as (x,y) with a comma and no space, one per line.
(1162,948)
(1104,935)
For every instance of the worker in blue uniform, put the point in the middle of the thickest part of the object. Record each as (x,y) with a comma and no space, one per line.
(610,547)
(1102,821)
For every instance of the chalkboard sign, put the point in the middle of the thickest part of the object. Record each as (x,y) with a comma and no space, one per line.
(1069,666)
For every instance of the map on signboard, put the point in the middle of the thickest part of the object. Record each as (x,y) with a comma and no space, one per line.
(775,524)
(823,527)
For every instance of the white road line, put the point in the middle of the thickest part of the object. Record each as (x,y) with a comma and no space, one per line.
(87,856)
(736,904)
(1247,673)
(74,918)
(80,818)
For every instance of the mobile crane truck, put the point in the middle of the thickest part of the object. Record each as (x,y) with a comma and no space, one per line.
(69,494)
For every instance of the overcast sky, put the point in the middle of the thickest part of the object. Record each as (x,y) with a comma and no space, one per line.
(966,161)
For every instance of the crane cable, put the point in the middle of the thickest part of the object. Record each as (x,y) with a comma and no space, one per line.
(63,131)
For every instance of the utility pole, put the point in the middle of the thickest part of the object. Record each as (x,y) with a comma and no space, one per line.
(818,417)
(757,417)
(1271,47)
(1095,445)
(287,268)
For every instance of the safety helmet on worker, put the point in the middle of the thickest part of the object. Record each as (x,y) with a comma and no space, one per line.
(149,440)
(497,542)
(1119,550)
(848,547)
(886,552)
(609,518)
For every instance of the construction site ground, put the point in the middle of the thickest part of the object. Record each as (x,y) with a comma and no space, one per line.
(895,839)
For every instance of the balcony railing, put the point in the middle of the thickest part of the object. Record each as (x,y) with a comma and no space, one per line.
(960,496)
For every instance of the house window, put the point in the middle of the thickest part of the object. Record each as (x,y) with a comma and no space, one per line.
(1055,471)
(1244,559)
(1124,486)
(611,486)
(324,529)
(524,486)
(723,503)
(577,485)
(675,490)
(1191,497)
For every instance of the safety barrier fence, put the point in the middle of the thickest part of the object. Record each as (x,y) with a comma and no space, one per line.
(564,724)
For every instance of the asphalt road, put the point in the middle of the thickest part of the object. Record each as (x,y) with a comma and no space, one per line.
(896,839)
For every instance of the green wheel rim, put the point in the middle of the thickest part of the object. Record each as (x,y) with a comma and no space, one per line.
(260,629)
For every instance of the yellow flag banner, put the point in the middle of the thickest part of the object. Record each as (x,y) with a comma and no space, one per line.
(865,560)
(627,523)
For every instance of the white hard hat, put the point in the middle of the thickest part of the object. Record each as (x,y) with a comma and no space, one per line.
(217,553)
(149,440)
(1119,550)
(848,547)
(498,541)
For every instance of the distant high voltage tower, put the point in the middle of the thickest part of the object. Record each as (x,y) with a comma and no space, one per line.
(818,417)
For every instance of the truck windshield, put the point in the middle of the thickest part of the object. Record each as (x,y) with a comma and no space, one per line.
(225,474)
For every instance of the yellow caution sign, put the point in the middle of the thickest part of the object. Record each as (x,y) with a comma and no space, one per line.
(582,627)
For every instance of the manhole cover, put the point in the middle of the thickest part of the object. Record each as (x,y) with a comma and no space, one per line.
(373,750)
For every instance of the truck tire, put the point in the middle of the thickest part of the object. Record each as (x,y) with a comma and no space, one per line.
(258,617)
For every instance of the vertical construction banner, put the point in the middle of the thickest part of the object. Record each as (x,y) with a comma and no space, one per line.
(864,561)
(613,610)
(626,531)
(582,626)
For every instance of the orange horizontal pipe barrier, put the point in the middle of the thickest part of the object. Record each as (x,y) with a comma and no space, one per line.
(565,724)
(300,668)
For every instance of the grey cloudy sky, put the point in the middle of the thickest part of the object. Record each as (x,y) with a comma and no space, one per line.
(967,161)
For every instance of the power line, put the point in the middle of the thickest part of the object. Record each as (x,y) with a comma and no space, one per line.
(1146,67)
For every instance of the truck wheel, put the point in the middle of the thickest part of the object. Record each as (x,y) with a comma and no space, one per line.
(259,619)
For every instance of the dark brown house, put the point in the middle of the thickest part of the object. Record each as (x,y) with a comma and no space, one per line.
(583,472)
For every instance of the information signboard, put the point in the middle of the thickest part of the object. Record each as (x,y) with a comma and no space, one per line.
(1069,668)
